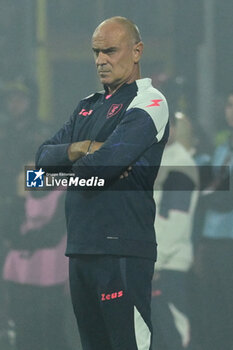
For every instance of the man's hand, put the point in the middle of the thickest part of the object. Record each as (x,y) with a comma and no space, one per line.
(94,146)
(126,173)
(79,149)
(82,148)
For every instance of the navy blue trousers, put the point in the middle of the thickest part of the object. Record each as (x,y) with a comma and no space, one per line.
(111,297)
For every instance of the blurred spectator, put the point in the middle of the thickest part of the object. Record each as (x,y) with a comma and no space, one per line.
(202,150)
(36,269)
(18,140)
(178,181)
(214,258)
(19,121)
(19,135)
(184,133)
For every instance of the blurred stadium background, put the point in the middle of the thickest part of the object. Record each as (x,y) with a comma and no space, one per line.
(45,48)
(187,50)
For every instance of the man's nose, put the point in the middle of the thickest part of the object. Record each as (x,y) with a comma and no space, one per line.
(101,59)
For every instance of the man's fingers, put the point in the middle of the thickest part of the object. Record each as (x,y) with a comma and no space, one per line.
(126,173)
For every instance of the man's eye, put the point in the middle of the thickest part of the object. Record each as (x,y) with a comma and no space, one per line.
(107,52)
(110,52)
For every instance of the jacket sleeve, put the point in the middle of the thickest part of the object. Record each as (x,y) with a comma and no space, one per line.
(53,152)
(137,132)
(176,193)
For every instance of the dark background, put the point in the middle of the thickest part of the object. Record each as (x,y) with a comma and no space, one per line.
(189,41)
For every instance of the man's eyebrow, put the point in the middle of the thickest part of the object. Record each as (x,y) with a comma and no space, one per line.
(108,49)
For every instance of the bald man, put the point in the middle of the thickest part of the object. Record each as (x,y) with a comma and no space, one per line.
(117,135)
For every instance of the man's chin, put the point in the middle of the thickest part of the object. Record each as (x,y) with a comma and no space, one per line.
(105,80)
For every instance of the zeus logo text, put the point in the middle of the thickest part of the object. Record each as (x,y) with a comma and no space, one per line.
(111,296)
(85,113)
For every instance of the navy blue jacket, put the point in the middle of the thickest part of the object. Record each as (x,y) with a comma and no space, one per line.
(133,124)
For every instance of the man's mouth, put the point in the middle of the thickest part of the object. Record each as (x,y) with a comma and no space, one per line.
(103,71)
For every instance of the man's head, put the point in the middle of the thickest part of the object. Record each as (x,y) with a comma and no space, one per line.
(117,47)
(17,98)
(229,110)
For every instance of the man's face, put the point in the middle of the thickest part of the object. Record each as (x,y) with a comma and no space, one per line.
(115,55)
(229,111)
(17,104)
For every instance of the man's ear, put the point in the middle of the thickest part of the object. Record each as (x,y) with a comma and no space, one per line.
(138,50)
